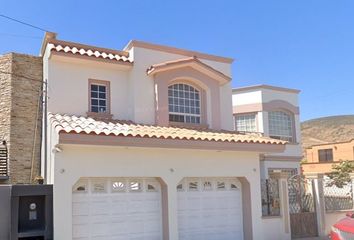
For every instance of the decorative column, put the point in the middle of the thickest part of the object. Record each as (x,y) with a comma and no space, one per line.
(284,201)
(320,207)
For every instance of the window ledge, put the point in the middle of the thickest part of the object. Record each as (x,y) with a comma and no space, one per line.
(100,116)
(189,125)
(271,216)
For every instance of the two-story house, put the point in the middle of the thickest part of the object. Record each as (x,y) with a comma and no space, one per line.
(140,144)
(320,158)
(273,112)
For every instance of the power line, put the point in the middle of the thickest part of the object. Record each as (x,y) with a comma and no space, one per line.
(24,23)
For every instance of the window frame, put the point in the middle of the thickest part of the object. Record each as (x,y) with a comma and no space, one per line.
(326,151)
(255,114)
(108,97)
(292,122)
(202,106)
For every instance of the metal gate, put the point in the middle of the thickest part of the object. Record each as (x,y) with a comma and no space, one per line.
(302,208)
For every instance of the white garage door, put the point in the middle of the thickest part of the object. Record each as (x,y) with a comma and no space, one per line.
(120,208)
(209,209)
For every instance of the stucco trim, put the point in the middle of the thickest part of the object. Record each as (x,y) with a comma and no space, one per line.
(267,106)
(264,86)
(280,105)
(281,158)
(192,62)
(104,140)
(174,50)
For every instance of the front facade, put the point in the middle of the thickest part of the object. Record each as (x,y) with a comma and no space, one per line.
(273,112)
(320,158)
(140,144)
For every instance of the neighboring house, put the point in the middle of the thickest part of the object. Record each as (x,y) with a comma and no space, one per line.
(140,144)
(320,158)
(273,112)
(20,118)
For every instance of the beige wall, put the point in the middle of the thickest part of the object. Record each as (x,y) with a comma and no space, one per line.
(75,161)
(20,92)
(341,151)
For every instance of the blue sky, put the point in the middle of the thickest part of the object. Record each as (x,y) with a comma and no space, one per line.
(303,44)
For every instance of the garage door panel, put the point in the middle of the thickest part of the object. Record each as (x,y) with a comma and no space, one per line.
(209,209)
(119,208)
(81,231)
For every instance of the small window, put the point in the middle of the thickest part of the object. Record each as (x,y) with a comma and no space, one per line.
(233,186)
(80,186)
(281,126)
(207,186)
(98,187)
(325,155)
(151,188)
(193,186)
(99,96)
(221,185)
(245,123)
(135,186)
(180,187)
(118,186)
(184,104)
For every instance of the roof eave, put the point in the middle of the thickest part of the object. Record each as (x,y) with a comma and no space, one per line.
(112,140)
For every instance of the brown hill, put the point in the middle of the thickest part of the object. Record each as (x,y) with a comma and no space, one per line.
(327,129)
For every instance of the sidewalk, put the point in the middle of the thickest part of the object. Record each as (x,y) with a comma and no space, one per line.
(313,238)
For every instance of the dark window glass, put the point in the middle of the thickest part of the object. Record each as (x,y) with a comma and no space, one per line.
(94,87)
(98,98)
(325,155)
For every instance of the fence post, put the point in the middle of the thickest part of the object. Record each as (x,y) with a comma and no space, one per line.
(320,207)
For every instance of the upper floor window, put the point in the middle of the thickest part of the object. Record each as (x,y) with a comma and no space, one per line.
(184,104)
(245,122)
(325,155)
(281,126)
(99,96)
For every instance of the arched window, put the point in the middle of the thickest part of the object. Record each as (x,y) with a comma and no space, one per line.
(184,104)
(281,126)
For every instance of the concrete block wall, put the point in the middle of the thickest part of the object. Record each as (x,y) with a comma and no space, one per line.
(20,114)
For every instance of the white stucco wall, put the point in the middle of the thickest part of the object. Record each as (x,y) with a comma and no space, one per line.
(90,161)
(68,85)
(273,229)
(243,98)
(132,90)
(259,96)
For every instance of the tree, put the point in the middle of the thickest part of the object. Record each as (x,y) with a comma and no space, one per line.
(340,176)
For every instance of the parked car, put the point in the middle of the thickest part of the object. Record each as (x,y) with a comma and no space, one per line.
(344,228)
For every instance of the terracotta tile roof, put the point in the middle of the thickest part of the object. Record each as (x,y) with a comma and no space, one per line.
(79,124)
(90,51)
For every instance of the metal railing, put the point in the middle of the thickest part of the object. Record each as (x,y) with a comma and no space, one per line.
(270,197)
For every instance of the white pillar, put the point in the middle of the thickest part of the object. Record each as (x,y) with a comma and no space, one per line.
(320,208)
